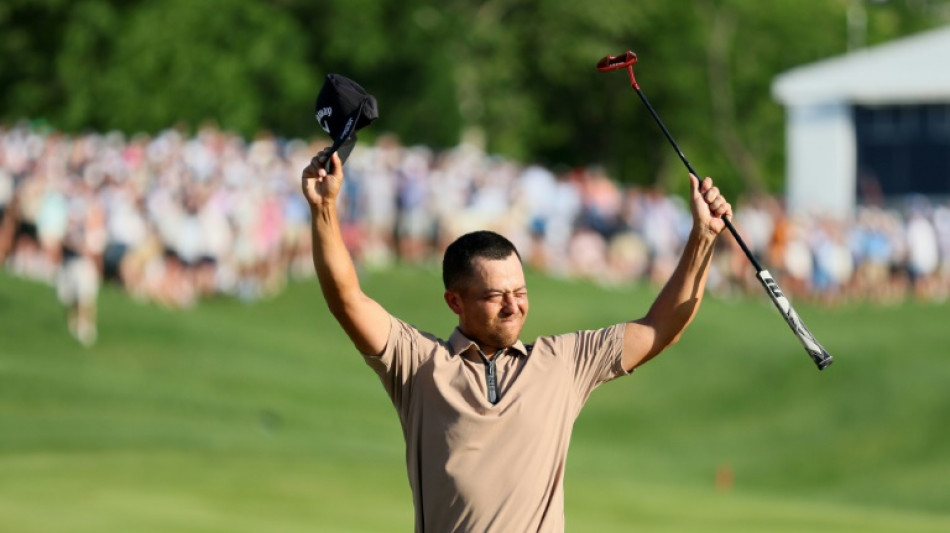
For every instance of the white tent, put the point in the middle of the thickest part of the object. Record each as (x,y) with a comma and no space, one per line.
(821,146)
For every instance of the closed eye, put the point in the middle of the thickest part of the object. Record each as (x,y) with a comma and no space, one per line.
(498,296)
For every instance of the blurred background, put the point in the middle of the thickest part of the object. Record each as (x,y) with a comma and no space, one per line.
(167,363)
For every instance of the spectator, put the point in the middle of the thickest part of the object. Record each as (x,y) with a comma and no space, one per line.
(922,252)
(78,279)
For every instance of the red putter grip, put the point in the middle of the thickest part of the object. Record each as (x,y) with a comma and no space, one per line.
(624,60)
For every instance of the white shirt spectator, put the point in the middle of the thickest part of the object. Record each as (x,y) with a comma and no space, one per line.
(923,256)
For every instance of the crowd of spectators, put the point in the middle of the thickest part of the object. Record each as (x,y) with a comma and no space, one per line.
(173,218)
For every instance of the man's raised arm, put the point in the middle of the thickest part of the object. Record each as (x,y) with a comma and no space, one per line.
(363,319)
(678,301)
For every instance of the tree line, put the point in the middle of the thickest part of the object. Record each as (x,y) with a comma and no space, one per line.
(517,75)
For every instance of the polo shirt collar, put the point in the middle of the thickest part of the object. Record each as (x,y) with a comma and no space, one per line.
(460,344)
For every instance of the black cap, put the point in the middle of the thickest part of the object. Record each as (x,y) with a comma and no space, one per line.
(342,108)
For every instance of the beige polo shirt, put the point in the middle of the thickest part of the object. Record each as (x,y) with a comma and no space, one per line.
(478,467)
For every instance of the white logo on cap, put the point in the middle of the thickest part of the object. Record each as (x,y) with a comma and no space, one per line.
(346,129)
(322,114)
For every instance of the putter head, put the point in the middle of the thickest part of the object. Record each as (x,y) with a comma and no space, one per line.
(624,60)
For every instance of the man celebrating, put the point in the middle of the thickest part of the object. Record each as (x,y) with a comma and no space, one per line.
(487,419)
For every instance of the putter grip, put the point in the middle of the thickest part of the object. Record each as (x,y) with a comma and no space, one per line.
(818,354)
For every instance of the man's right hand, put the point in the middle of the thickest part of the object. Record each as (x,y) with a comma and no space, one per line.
(319,188)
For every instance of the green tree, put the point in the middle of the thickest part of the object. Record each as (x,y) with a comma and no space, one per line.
(101,64)
(399,51)
(235,62)
(30,38)
(520,73)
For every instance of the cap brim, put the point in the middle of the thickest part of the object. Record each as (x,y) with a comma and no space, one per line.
(344,148)
(344,145)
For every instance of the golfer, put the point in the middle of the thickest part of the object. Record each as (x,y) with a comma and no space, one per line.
(487,419)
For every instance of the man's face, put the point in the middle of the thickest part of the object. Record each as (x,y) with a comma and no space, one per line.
(493,304)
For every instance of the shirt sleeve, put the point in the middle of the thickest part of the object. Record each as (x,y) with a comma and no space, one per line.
(407,349)
(596,358)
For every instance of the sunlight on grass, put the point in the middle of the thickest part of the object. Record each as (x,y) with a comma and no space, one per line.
(238,418)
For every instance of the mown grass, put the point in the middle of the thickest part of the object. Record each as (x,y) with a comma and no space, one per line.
(233,417)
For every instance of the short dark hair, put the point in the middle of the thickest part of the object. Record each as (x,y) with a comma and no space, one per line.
(457,263)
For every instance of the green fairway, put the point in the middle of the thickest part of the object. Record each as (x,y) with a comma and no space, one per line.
(235,417)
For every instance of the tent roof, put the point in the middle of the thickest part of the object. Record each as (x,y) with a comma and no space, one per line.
(912,69)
